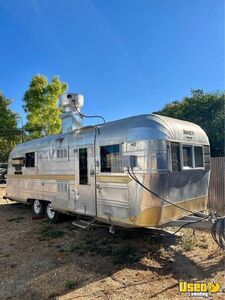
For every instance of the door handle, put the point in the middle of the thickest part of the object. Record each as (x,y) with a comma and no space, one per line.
(98,187)
(91,172)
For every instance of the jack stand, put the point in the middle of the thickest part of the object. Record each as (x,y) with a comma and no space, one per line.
(111,227)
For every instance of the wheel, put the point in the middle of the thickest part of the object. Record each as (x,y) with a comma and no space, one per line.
(51,214)
(38,207)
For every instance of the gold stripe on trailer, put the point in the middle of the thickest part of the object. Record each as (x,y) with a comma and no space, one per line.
(113,179)
(157,215)
(43,176)
(99,178)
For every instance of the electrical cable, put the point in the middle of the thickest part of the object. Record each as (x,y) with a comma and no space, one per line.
(218,232)
(153,193)
(189,223)
(218,226)
(95,139)
(84,116)
(168,80)
(95,164)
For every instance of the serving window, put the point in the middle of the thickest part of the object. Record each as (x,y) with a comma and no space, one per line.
(111,160)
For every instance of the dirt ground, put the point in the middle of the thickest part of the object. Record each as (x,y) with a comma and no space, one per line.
(39,260)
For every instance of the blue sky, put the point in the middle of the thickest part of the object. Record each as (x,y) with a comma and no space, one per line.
(126,56)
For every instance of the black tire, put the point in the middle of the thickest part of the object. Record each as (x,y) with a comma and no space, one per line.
(38,207)
(52,215)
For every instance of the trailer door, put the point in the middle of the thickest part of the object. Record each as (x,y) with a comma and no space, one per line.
(85,181)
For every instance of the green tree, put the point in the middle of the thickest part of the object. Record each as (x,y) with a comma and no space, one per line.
(204,109)
(10,135)
(41,106)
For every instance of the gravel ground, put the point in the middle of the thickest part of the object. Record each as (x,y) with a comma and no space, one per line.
(39,260)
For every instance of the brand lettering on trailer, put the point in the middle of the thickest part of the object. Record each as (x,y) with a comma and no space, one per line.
(188,132)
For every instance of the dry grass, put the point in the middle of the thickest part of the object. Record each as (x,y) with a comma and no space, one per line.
(43,261)
(188,239)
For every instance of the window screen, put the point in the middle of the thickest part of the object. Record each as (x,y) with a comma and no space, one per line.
(30,160)
(198,157)
(111,159)
(187,157)
(175,156)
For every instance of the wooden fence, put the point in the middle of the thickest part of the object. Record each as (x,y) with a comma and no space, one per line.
(217,185)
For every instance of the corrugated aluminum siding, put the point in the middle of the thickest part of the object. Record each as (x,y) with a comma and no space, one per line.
(217,185)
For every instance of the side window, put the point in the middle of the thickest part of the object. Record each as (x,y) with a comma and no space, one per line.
(30,160)
(62,153)
(187,157)
(207,157)
(111,158)
(175,156)
(198,157)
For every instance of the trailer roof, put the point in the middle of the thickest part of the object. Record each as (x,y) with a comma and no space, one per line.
(140,127)
(181,130)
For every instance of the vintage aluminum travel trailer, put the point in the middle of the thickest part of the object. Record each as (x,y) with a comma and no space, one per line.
(84,170)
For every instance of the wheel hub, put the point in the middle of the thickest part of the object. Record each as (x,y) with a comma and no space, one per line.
(50,211)
(37,206)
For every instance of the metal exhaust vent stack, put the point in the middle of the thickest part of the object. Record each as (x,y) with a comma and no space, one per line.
(71,104)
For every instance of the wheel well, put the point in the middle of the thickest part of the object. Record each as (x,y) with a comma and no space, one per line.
(31,201)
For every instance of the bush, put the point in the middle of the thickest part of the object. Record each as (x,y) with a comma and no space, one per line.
(69,284)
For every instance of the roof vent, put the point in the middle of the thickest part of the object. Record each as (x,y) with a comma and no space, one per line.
(71,117)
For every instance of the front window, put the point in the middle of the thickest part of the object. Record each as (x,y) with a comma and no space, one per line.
(198,157)
(187,157)
(193,157)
